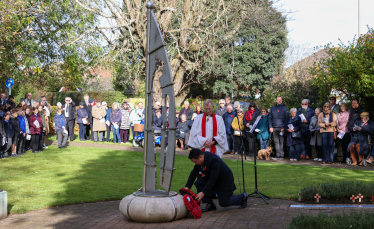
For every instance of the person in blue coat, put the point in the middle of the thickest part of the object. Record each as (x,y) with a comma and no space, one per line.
(60,125)
(263,129)
(278,117)
(308,114)
(82,114)
(295,144)
(228,117)
(21,141)
(362,128)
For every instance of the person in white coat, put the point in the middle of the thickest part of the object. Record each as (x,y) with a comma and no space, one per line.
(208,132)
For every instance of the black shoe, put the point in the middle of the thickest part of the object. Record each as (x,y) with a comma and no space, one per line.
(244,201)
(63,147)
(209,207)
(185,148)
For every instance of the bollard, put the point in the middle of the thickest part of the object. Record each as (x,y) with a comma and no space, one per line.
(3,204)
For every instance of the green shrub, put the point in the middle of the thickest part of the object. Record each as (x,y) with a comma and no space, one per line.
(339,190)
(357,220)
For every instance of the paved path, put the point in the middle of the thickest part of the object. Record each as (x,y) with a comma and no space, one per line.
(225,156)
(277,214)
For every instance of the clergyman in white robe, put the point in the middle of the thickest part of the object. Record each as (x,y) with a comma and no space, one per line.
(197,140)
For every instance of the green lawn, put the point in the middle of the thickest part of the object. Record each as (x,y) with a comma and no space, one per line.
(81,174)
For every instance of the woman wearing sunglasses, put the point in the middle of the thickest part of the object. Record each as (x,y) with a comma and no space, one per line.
(327,122)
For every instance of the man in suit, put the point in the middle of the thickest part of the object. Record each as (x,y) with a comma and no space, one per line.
(213,177)
(69,113)
(86,98)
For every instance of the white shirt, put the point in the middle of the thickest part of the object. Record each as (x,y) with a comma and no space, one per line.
(197,140)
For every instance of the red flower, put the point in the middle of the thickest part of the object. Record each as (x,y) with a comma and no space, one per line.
(181,124)
(189,199)
(231,116)
(204,168)
(202,175)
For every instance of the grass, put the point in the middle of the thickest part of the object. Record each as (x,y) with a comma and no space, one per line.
(82,174)
(52,137)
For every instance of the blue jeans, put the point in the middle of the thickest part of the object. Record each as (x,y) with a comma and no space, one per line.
(107,133)
(116,136)
(328,143)
(263,143)
(295,151)
(230,136)
(82,131)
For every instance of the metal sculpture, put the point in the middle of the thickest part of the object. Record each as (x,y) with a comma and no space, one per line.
(157,60)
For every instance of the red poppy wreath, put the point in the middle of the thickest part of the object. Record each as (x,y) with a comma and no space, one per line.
(190,202)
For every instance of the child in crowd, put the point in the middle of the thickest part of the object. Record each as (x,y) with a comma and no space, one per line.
(17,130)
(22,137)
(59,122)
(9,134)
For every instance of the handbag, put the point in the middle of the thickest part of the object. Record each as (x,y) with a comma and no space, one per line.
(335,134)
(86,119)
(296,134)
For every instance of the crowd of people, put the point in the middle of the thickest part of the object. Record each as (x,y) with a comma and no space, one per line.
(25,126)
(299,129)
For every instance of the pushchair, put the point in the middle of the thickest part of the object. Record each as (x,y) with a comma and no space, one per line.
(157,137)
(367,155)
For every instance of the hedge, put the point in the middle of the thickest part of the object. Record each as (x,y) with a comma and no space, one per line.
(108,96)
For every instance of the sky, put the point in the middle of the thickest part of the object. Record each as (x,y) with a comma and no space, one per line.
(319,22)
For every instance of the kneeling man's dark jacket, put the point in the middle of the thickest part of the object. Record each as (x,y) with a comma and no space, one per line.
(217,176)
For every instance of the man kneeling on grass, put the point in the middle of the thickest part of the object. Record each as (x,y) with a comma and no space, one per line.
(59,122)
(213,177)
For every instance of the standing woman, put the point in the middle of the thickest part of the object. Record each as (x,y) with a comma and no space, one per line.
(27,116)
(316,137)
(82,114)
(327,122)
(43,129)
(124,128)
(98,116)
(136,117)
(238,126)
(294,142)
(36,125)
(249,120)
(263,127)
(115,119)
(341,125)
(198,109)
(107,121)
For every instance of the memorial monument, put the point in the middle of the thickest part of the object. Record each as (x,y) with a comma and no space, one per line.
(150,204)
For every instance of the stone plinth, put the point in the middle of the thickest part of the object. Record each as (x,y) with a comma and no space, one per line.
(3,204)
(153,209)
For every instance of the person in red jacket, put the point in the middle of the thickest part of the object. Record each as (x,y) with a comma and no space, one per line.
(36,125)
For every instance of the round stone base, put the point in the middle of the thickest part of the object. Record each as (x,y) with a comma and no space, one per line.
(153,209)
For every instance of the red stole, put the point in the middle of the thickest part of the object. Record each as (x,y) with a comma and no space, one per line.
(203,129)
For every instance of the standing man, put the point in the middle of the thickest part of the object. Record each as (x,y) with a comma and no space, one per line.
(69,113)
(86,98)
(308,114)
(221,110)
(277,118)
(3,99)
(90,120)
(355,113)
(214,177)
(187,110)
(46,106)
(335,108)
(208,131)
(227,101)
(228,117)
(28,99)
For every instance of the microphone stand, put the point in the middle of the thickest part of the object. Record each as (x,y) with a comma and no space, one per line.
(256,192)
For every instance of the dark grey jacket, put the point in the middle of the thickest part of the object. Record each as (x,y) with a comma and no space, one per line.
(220,111)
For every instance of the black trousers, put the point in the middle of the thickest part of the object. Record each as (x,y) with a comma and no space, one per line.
(223,199)
(306,138)
(252,144)
(35,142)
(345,142)
(238,143)
(87,134)
(41,136)
(70,125)
(21,143)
